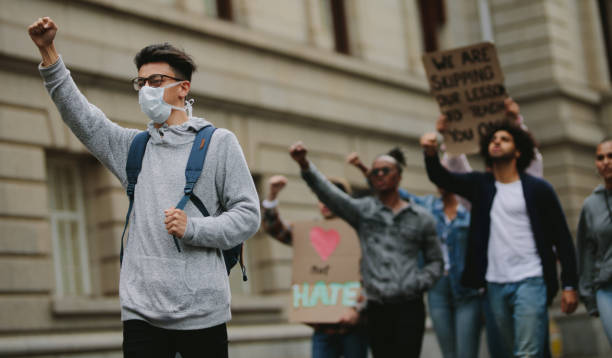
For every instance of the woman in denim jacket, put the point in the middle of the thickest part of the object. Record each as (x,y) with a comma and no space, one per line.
(455,310)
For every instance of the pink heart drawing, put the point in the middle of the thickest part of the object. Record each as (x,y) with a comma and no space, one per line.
(324,242)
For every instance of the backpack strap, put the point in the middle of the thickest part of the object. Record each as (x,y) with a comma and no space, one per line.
(195,164)
(132,169)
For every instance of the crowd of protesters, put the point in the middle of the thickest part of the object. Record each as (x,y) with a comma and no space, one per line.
(487,247)
(501,234)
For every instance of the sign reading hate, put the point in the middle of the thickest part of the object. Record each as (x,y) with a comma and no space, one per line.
(468,85)
(326,278)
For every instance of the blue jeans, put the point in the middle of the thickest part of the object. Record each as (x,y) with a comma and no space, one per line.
(353,344)
(457,322)
(521,315)
(604,305)
(494,340)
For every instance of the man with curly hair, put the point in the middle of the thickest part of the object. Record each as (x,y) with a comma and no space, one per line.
(517,233)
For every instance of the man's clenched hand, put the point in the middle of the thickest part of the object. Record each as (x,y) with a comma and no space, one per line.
(176,222)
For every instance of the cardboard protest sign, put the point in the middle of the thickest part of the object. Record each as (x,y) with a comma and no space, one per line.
(326,279)
(468,85)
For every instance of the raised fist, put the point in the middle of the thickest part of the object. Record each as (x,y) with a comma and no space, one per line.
(429,142)
(298,152)
(42,32)
(353,159)
(276,183)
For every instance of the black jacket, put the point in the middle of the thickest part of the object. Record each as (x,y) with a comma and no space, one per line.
(550,231)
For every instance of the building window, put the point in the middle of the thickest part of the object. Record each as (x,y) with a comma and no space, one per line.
(68,228)
(221,9)
(433,16)
(605,11)
(338,15)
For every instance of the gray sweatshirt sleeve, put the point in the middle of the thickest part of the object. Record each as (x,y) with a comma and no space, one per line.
(587,251)
(339,202)
(432,254)
(106,140)
(238,197)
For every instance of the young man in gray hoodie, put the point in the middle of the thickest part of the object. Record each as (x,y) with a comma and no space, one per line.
(171,300)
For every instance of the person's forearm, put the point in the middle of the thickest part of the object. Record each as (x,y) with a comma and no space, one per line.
(240,218)
(434,266)
(562,240)
(456,163)
(272,195)
(362,168)
(49,55)
(224,231)
(104,139)
(304,164)
(586,258)
(275,227)
(335,199)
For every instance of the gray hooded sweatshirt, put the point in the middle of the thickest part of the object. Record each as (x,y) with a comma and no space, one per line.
(169,289)
(594,241)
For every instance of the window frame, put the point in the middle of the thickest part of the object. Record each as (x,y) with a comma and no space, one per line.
(63,289)
(337,9)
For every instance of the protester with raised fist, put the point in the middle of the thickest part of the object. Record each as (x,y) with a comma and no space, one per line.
(517,233)
(392,232)
(347,338)
(455,311)
(174,289)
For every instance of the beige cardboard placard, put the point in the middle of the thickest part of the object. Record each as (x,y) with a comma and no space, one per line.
(326,279)
(468,85)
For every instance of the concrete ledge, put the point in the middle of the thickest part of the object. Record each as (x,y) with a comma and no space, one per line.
(60,343)
(70,306)
(270,332)
(249,304)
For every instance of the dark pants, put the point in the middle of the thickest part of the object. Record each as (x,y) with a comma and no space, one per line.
(141,339)
(396,329)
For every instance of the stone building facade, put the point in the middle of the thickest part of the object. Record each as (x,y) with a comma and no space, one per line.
(341,76)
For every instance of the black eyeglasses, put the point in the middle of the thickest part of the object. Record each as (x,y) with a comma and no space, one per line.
(377,171)
(153,80)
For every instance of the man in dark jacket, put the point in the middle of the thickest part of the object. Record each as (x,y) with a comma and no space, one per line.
(517,233)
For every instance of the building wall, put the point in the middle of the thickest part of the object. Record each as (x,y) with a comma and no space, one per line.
(271,77)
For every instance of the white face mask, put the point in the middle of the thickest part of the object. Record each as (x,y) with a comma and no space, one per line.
(152,103)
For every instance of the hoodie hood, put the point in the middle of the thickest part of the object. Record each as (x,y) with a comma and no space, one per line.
(178,134)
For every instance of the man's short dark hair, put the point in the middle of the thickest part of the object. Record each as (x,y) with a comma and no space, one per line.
(523,141)
(181,63)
